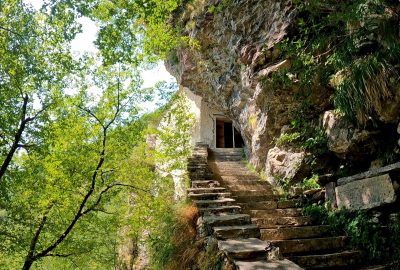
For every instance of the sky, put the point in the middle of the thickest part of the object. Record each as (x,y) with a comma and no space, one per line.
(83,42)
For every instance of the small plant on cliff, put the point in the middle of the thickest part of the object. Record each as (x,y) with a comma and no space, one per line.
(218,8)
(380,242)
(310,183)
(351,46)
(305,136)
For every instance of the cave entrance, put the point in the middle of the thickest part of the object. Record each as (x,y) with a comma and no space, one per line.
(227,136)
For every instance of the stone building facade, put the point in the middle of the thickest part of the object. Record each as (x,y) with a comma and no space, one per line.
(211,126)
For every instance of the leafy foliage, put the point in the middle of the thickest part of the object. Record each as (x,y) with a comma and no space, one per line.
(380,243)
(352,46)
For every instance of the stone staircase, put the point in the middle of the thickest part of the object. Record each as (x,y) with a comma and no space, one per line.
(248,220)
(222,217)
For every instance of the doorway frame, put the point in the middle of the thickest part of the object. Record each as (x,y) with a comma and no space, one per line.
(220,117)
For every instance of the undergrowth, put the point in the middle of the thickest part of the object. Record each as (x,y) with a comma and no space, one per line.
(350,46)
(175,244)
(381,243)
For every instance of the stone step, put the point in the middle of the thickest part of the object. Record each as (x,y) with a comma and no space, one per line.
(209,196)
(254,198)
(194,164)
(274,204)
(213,203)
(282,204)
(252,193)
(234,232)
(267,265)
(330,260)
(376,267)
(200,177)
(205,184)
(244,248)
(205,190)
(242,179)
(227,157)
(287,212)
(234,172)
(274,222)
(252,188)
(286,233)
(226,220)
(259,205)
(232,209)
(309,245)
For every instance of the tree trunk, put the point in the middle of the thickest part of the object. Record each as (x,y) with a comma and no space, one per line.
(28,263)
(17,138)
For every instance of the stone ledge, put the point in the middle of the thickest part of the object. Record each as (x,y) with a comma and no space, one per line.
(366,193)
(395,167)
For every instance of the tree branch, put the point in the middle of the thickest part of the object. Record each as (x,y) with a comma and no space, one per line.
(105,190)
(30,256)
(91,114)
(58,255)
(17,137)
(10,31)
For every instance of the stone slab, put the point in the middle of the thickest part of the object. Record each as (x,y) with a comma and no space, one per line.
(264,265)
(395,167)
(244,248)
(366,194)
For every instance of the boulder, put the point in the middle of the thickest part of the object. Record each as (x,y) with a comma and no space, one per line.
(344,138)
(366,193)
(284,164)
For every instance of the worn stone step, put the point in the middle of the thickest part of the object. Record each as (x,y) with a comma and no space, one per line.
(209,196)
(214,203)
(197,164)
(286,233)
(330,260)
(200,177)
(205,190)
(205,184)
(253,193)
(273,222)
(234,232)
(254,198)
(309,245)
(232,209)
(282,204)
(267,265)
(255,187)
(376,267)
(241,179)
(244,248)
(287,212)
(273,204)
(228,158)
(226,220)
(259,205)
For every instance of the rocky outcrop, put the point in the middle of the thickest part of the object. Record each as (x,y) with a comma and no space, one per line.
(234,54)
(286,165)
(237,54)
(344,138)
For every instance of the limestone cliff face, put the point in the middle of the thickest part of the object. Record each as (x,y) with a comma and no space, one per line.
(237,53)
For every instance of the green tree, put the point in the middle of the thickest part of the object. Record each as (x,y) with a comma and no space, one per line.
(60,197)
(35,62)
